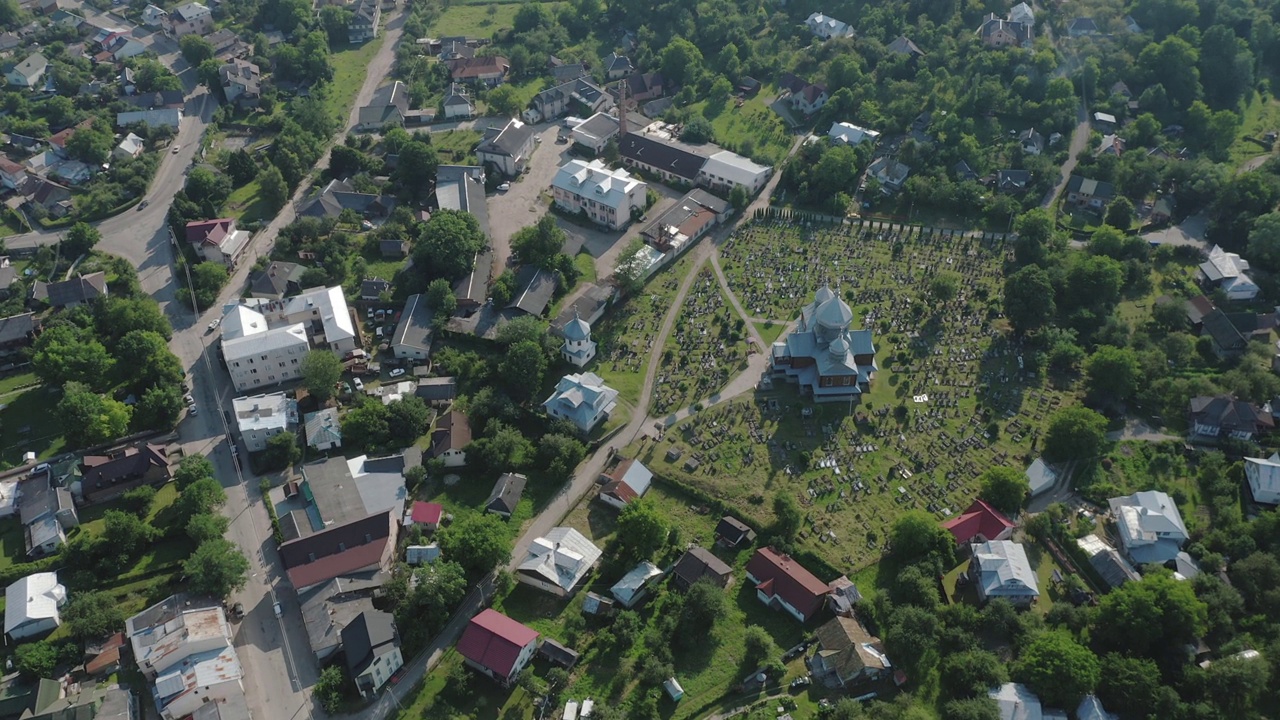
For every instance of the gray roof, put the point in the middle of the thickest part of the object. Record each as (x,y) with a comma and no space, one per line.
(1093,188)
(458,187)
(435,389)
(366,637)
(415,328)
(1004,569)
(539,285)
(388,103)
(79,289)
(339,195)
(276,278)
(373,287)
(346,490)
(329,607)
(507,140)
(663,156)
(506,493)
(323,427)
(16,328)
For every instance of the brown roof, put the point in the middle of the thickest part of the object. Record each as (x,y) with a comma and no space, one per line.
(337,551)
(464,68)
(842,645)
(108,655)
(620,490)
(780,575)
(128,463)
(453,432)
(699,563)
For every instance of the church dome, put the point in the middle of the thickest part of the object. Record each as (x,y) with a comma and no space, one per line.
(577,329)
(824,294)
(839,348)
(833,314)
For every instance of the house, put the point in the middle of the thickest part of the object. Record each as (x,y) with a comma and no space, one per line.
(8,274)
(1013,181)
(733,533)
(1263,478)
(426,514)
(371,289)
(1082,27)
(687,220)
(372,649)
(849,134)
(611,198)
(190,18)
(640,87)
(461,187)
(579,94)
(566,72)
(1091,708)
(635,585)
(457,104)
(241,82)
(903,45)
(1015,701)
(617,66)
(1000,569)
(583,399)
(102,657)
(979,523)
(450,439)
(130,147)
(358,546)
(724,171)
(558,562)
(328,608)
(700,564)
(629,480)
(393,248)
(1228,271)
(53,198)
(783,584)
(1149,525)
(365,16)
(452,48)
(595,132)
(1219,415)
(890,173)
(31,605)
(809,98)
(1022,13)
(153,16)
(847,653)
(158,100)
(506,494)
(1031,141)
(1091,194)
(507,149)
(324,430)
(825,27)
(667,162)
(122,47)
(12,174)
(70,293)
(276,280)
(388,106)
(997,33)
(17,332)
(497,646)
(557,654)
(261,417)
(29,73)
(487,70)
(323,313)
(823,355)
(47,512)
(437,391)
(1227,340)
(340,195)
(1109,564)
(162,117)
(338,491)
(1104,122)
(218,240)
(1040,477)
(103,477)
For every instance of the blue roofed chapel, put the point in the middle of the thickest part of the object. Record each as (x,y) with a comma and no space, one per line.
(823,355)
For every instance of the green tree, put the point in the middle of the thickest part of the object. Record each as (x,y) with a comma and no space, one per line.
(540,243)
(80,239)
(1130,685)
(282,451)
(1057,668)
(441,300)
(92,615)
(321,371)
(704,606)
(207,526)
(328,689)
(944,287)
(217,568)
(366,425)
(1119,213)
(523,367)
(195,49)
(242,168)
(787,517)
(971,673)
(91,145)
(1156,614)
(64,352)
(478,542)
(1028,298)
(1264,242)
(274,191)
(207,278)
(1075,433)
(138,500)
(976,708)
(916,535)
(758,647)
(408,419)
(89,418)
(125,535)
(448,244)
(503,448)
(335,21)
(201,496)
(504,101)
(642,532)
(1003,487)
(159,408)
(416,169)
(629,272)
(190,469)
(1112,374)
(558,455)
(145,360)
(208,188)
(681,61)
(739,198)
(1034,230)
(35,660)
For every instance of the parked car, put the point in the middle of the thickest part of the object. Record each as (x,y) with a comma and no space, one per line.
(801,682)
(176,148)
(194,411)
(504,187)
(143,205)
(189,400)
(213,325)
(359,384)
(397,372)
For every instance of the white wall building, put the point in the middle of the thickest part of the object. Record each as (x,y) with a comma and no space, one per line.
(1150,526)
(187,653)
(1001,570)
(725,170)
(1264,479)
(578,348)
(827,27)
(583,399)
(606,196)
(260,417)
(31,605)
(850,134)
(261,357)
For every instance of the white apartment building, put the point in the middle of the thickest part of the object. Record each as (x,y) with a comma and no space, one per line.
(260,417)
(264,343)
(607,196)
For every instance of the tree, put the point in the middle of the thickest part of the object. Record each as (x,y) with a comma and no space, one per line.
(1112,374)
(328,689)
(697,130)
(159,408)
(1075,433)
(321,371)
(125,534)
(1129,685)
(1264,242)
(448,244)
(525,327)
(207,188)
(80,239)
(139,500)
(758,647)
(272,186)
(1028,298)
(1119,213)
(503,448)
(366,425)
(145,360)
(704,605)
(441,300)
(738,197)
(207,526)
(642,531)
(944,286)
(282,451)
(681,61)
(523,367)
(504,100)
(970,673)
(89,418)
(787,517)
(1034,230)
(242,168)
(1057,668)
(207,278)
(630,272)
(916,536)
(190,469)
(540,243)
(976,708)
(408,419)
(335,21)
(201,496)
(1154,615)
(91,145)
(35,660)
(478,542)
(116,317)
(92,615)
(1234,685)
(416,168)
(216,568)
(1003,487)
(195,49)
(558,455)
(64,352)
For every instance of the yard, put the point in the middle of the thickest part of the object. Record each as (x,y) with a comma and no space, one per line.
(1261,116)
(349,69)
(29,426)
(475,20)
(752,129)
(456,147)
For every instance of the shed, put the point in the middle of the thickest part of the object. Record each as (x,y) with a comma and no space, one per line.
(672,686)
(558,654)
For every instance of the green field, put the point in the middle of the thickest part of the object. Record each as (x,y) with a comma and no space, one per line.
(247,205)
(1258,119)
(753,129)
(349,70)
(456,147)
(475,20)
(29,425)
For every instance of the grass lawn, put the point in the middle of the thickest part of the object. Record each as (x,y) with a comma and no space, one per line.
(349,69)
(482,698)
(586,266)
(754,129)
(246,203)
(30,426)
(12,542)
(1260,118)
(456,147)
(475,20)
(13,382)
(770,331)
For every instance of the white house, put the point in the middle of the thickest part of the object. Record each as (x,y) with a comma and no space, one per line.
(827,27)
(1000,569)
(29,73)
(1229,271)
(578,348)
(457,103)
(261,417)
(160,117)
(1149,525)
(153,16)
(594,132)
(850,134)
(608,197)
(190,18)
(324,431)
(583,399)
(372,649)
(558,562)
(258,356)
(450,439)
(31,605)
(633,586)
(1016,702)
(507,148)
(1040,476)
(1264,479)
(628,481)
(130,147)
(323,310)
(725,170)
(1022,13)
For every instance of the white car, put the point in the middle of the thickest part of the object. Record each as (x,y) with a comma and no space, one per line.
(175,149)
(189,400)
(504,187)
(214,324)
(397,372)
(358,383)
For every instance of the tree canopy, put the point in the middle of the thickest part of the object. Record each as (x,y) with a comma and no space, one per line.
(447,246)
(1004,488)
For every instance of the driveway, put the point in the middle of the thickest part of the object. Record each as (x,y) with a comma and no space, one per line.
(1189,232)
(523,204)
(1079,140)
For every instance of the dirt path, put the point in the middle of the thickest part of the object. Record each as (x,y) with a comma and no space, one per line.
(1079,140)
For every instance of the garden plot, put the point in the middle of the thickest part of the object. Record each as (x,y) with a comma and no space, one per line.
(704,351)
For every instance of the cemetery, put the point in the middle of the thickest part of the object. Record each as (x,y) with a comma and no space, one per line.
(706,349)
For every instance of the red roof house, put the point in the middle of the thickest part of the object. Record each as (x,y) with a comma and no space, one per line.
(782,583)
(497,646)
(427,513)
(980,523)
(201,232)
